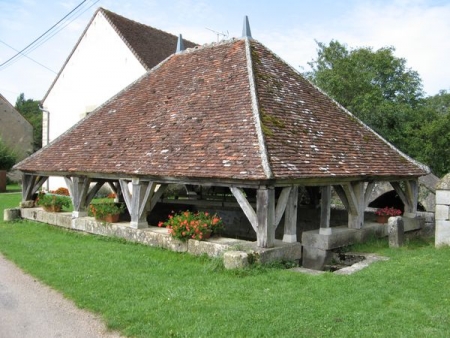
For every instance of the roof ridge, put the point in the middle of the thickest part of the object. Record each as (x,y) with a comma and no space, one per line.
(106,14)
(256,111)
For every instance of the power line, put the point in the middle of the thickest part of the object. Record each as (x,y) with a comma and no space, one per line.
(40,64)
(41,36)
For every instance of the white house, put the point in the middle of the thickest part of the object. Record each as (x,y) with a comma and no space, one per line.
(112,52)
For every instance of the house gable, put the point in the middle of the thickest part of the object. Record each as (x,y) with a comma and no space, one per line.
(15,131)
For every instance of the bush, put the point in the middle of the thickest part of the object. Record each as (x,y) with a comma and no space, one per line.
(48,200)
(7,157)
(186,225)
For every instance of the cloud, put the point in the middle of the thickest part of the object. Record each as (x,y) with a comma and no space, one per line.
(420,33)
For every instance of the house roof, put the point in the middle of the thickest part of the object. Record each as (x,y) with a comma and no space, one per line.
(148,44)
(232,110)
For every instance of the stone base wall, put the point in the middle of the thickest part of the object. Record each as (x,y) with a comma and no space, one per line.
(158,237)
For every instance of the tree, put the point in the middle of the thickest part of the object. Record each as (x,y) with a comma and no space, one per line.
(7,156)
(30,110)
(375,86)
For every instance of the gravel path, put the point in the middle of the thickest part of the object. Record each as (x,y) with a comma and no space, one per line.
(31,309)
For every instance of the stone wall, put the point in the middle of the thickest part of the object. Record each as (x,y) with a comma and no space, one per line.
(159,237)
(442,236)
(15,131)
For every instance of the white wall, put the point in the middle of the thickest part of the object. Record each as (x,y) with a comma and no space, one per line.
(100,67)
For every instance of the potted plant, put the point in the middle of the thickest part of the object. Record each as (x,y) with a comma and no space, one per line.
(53,203)
(188,225)
(7,161)
(383,214)
(107,212)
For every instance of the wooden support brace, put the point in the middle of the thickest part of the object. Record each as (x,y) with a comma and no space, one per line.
(30,185)
(139,200)
(353,197)
(246,207)
(409,197)
(157,195)
(281,205)
(78,188)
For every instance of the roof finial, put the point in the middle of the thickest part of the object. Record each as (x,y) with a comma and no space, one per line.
(246,33)
(180,45)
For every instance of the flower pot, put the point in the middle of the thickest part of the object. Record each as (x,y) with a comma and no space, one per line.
(52,208)
(383,219)
(109,218)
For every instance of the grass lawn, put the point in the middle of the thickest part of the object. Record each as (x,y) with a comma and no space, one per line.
(149,292)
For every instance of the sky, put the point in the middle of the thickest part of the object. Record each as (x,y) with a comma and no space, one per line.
(418,29)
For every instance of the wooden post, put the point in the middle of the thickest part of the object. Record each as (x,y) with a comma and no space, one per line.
(290,217)
(325,210)
(265,212)
(141,200)
(78,188)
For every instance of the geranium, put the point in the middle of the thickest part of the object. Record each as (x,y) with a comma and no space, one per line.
(188,225)
(386,211)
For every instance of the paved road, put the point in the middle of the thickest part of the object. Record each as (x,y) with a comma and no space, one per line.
(29,309)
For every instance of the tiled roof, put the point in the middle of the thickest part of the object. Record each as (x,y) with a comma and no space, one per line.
(148,44)
(227,111)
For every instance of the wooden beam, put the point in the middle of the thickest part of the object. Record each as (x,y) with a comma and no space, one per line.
(325,210)
(409,196)
(126,193)
(368,193)
(30,185)
(246,207)
(94,190)
(265,213)
(341,193)
(281,205)
(353,197)
(157,195)
(290,217)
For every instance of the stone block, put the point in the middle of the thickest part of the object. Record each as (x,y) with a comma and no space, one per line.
(235,260)
(315,258)
(27,204)
(443,197)
(442,235)
(11,214)
(442,212)
(202,247)
(396,232)
(411,224)
(281,252)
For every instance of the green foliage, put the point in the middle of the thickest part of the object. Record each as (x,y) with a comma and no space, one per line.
(186,225)
(100,210)
(48,200)
(384,93)
(30,110)
(7,156)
